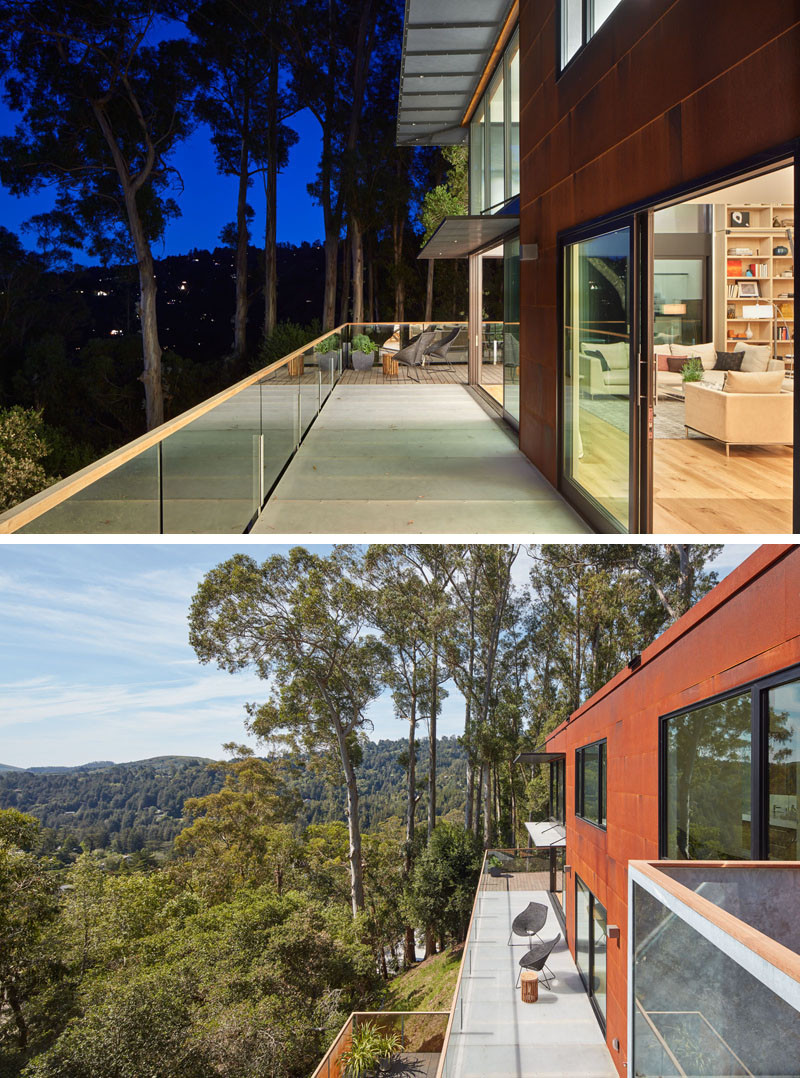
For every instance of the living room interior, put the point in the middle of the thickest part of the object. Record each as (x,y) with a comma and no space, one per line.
(723,359)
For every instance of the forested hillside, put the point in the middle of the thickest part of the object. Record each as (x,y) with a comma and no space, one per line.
(138,806)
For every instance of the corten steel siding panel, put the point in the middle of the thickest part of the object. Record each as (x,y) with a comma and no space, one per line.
(748,627)
(666,92)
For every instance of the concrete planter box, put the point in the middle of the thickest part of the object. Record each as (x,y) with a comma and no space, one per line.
(363,361)
(327,361)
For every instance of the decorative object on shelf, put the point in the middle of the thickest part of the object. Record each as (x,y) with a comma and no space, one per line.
(740,251)
(740,219)
(780,250)
(731,312)
(749,332)
(749,290)
(782,222)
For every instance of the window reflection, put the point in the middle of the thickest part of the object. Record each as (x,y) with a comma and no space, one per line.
(784,772)
(708,762)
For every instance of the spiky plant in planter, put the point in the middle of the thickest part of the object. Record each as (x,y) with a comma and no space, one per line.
(693,370)
(368,1048)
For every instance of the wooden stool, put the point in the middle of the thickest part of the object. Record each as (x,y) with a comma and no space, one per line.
(529,982)
(390,365)
(295,366)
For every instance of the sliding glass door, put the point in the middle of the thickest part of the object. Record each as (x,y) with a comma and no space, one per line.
(598,378)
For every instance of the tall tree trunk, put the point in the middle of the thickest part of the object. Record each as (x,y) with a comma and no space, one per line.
(476,822)
(353,823)
(331,271)
(240,315)
(513,795)
(432,740)
(19,1019)
(344,304)
(409,942)
(151,348)
(271,200)
(399,279)
(370,272)
(429,291)
(470,796)
(487,806)
(357,249)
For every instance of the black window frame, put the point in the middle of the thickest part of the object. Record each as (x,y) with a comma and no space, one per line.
(587,13)
(558,785)
(759,689)
(601,1018)
(602,797)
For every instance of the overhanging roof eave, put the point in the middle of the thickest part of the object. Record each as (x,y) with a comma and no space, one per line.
(461,236)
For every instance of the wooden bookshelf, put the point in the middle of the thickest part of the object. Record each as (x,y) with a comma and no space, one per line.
(742,248)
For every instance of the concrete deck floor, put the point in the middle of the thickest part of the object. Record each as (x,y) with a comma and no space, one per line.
(411,459)
(495,1033)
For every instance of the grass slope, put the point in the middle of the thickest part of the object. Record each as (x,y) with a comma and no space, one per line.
(429,986)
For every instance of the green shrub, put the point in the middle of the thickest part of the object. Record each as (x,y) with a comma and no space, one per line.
(363,343)
(287,337)
(368,1048)
(330,344)
(23,447)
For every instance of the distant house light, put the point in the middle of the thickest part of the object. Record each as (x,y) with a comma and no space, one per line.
(116,332)
(100,292)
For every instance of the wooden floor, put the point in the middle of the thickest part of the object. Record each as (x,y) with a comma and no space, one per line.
(436,375)
(517,881)
(696,488)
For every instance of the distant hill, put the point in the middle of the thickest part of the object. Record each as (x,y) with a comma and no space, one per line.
(139,805)
(9,767)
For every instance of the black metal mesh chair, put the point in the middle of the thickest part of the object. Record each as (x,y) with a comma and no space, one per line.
(440,349)
(530,922)
(536,959)
(411,355)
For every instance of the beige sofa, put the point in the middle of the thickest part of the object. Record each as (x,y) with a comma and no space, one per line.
(737,418)
(756,358)
(607,375)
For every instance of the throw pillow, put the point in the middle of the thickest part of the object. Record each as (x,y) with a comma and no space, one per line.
(597,355)
(677,363)
(707,353)
(753,381)
(756,357)
(729,361)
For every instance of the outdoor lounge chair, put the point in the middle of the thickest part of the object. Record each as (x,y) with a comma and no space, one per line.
(536,959)
(440,349)
(411,355)
(530,922)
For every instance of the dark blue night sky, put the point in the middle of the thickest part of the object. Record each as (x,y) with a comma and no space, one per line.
(208,201)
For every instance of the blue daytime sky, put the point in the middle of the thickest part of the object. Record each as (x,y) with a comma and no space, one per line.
(95,662)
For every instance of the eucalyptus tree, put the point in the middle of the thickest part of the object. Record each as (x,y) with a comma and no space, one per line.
(104,99)
(238,45)
(329,53)
(481,583)
(300,621)
(401,612)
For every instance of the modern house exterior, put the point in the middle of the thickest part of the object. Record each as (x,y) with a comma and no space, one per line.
(634,165)
(677,785)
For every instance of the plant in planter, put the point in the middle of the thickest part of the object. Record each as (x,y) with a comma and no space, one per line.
(693,370)
(363,352)
(495,865)
(328,352)
(368,1048)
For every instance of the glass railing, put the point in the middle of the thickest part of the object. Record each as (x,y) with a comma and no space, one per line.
(211,469)
(716,971)
(421,1035)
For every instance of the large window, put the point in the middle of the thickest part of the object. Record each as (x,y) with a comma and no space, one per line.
(580,20)
(730,774)
(557,791)
(783,776)
(591,929)
(590,783)
(494,137)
